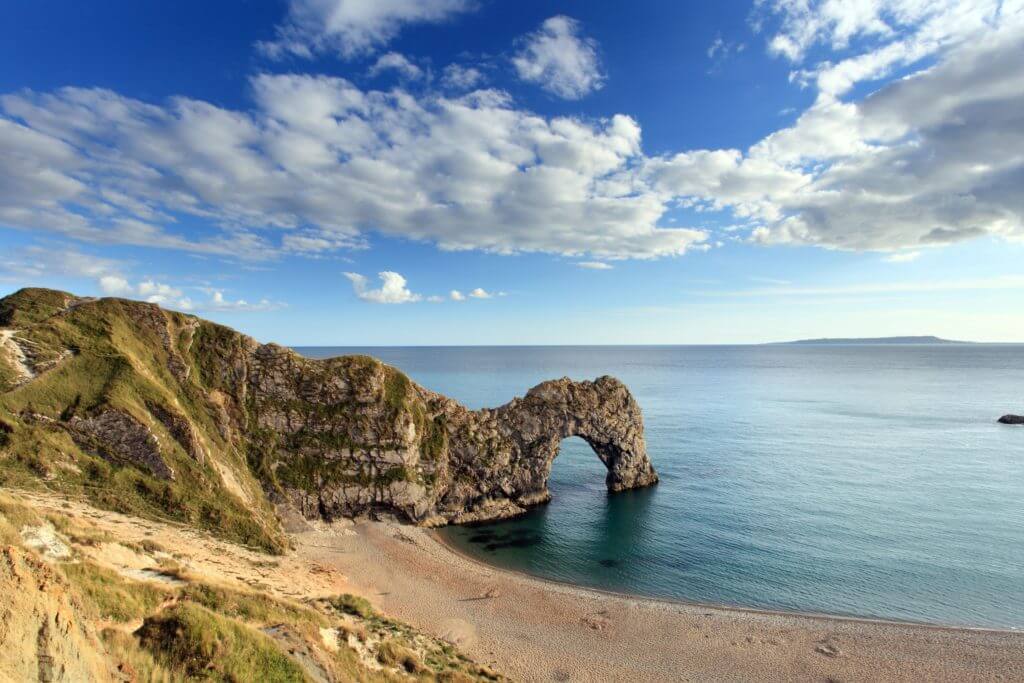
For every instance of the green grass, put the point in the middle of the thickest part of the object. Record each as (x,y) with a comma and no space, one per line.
(396,388)
(207,645)
(31,305)
(353,604)
(111,595)
(136,662)
(394,654)
(251,607)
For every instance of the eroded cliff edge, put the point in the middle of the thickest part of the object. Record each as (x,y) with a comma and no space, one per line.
(164,412)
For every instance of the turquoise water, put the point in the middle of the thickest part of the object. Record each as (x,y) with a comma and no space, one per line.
(858,480)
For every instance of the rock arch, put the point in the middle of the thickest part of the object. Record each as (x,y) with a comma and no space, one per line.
(526,436)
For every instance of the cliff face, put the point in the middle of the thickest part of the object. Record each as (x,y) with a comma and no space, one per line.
(212,424)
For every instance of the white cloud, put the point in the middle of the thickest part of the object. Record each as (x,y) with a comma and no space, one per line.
(218,302)
(456,295)
(559,59)
(317,164)
(146,290)
(393,61)
(903,257)
(313,242)
(115,285)
(929,159)
(393,289)
(34,263)
(595,265)
(480,293)
(721,49)
(321,162)
(458,77)
(890,34)
(350,28)
(173,297)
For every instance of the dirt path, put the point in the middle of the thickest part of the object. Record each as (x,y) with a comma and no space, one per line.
(10,347)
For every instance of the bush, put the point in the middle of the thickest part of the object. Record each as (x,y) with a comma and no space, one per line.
(393,653)
(354,605)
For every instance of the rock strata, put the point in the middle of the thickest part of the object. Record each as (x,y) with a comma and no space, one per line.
(351,436)
(193,405)
(118,436)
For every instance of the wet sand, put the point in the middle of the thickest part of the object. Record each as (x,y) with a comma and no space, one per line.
(536,630)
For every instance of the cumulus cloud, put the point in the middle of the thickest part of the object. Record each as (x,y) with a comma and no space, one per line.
(217,301)
(146,290)
(393,289)
(399,63)
(322,162)
(895,32)
(350,28)
(456,295)
(594,265)
(929,159)
(480,293)
(173,297)
(317,164)
(458,77)
(559,59)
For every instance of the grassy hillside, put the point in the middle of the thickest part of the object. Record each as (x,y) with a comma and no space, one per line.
(131,359)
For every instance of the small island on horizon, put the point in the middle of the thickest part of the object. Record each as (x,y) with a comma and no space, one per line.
(873,341)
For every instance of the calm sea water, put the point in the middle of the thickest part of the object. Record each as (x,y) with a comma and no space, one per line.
(858,480)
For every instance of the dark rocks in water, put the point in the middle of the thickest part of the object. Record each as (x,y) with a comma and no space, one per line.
(513,542)
(1012,420)
(610,564)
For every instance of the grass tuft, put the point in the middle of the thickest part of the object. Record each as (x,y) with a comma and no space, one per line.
(354,605)
(210,646)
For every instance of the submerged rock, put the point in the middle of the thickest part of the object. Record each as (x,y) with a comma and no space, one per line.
(1012,419)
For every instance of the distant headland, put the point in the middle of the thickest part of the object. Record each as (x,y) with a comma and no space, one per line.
(876,341)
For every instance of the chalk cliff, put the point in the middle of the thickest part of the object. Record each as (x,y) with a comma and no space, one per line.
(162,412)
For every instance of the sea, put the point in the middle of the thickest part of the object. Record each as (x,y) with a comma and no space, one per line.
(858,480)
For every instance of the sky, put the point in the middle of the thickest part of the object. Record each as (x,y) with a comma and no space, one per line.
(448,172)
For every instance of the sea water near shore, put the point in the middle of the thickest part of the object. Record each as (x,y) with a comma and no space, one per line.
(858,480)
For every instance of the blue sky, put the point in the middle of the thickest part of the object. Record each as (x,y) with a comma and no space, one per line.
(373,172)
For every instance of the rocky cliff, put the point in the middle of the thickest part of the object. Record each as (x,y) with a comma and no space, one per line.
(163,413)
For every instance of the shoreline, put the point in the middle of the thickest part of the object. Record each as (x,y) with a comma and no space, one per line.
(534,629)
(669,602)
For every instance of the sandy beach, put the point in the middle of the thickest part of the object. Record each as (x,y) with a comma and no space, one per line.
(535,630)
